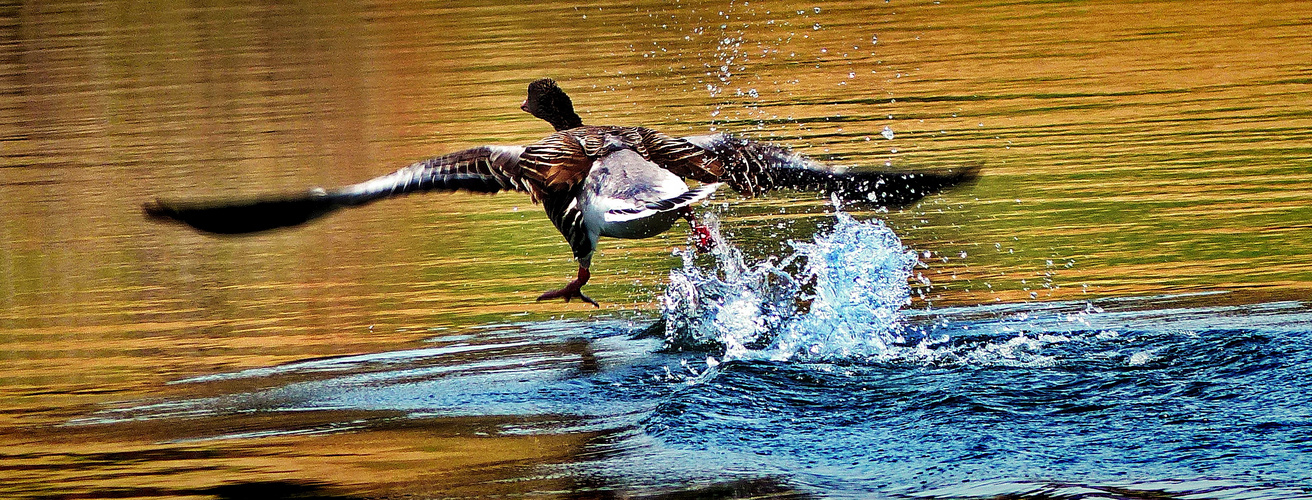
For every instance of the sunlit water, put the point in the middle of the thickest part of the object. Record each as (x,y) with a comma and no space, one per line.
(807,376)
(1117,308)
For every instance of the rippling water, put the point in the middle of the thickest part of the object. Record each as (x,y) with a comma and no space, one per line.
(1120,398)
(1115,309)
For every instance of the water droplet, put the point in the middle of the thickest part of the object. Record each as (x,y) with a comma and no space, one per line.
(887,133)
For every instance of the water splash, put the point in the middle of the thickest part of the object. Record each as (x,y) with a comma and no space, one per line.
(836,297)
(841,297)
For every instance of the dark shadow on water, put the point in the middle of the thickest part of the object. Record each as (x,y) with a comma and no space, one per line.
(764,487)
(273,490)
(259,490)
(747,488)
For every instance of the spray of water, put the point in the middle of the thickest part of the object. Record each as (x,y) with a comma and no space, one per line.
(836,297)
(841,298)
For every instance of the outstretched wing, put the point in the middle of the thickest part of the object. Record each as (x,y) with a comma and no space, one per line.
(754,168)
(485,169)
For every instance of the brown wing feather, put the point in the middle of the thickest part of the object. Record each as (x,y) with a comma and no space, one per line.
(562,160)
(681,157)
(557,163)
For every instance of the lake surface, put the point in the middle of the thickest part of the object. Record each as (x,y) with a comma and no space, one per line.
(1115,309)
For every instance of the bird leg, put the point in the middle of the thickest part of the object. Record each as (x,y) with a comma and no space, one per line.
(571,290)
(702,236)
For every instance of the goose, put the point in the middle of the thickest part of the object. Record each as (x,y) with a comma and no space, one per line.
(592,181)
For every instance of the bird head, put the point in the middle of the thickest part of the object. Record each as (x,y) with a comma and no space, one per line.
(547,101)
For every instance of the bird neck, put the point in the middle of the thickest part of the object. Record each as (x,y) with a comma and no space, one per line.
(565,121)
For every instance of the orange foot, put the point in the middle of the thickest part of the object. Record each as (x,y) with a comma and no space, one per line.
(701,235)
(572,290)
(702,238)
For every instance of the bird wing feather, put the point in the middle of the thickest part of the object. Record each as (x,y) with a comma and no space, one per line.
(754,168)
(681,157)
(484,169)
(557,163)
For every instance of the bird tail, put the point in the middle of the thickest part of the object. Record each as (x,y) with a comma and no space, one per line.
(753,168)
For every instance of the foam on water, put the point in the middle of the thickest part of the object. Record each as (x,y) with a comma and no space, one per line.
(836,297)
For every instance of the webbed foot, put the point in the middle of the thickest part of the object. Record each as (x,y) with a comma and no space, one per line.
(573,290)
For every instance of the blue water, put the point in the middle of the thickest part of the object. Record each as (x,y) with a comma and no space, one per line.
(808,374)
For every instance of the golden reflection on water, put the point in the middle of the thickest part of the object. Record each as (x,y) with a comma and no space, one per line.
(403,458)
(1130,148)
